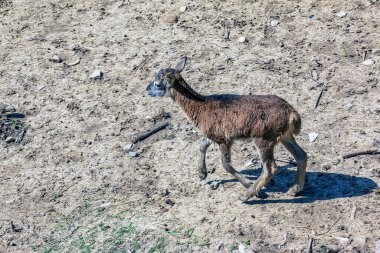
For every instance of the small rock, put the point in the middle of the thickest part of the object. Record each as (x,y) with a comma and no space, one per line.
(349,106)
(73,63)
(343,240)
(312,136)
(128,147)
(329,249)
(341,14)
(242,39)
(226,34)
(220,246)
(107,204)
(171,50)
(13,82)
(274,22)
(340,227)
(241,248)
(214,185)
(133,154)
(183,8)
(97,74)
(368,62)
(10,140)
(56,59)
(169,202)
(40,87)
(172,19)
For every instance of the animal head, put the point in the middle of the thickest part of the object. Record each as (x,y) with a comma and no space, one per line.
(165,79)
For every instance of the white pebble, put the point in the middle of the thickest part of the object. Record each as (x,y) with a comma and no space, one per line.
(343,240)
(242,39)
(241,248)
(13,81)
(128,147)
(349,106)
(132,154)
(183,8)
(56,59)
(215,184)
(368,62)
(40,87)
(274,22)
(341,14)
(97,74)
(312,136)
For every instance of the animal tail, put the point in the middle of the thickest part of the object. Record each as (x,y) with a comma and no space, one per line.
(295,122)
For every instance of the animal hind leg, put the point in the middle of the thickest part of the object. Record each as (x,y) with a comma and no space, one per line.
(202,171)
(269,169)
(301,158)
(226,161)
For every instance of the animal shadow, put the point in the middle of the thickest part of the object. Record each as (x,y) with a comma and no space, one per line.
(318,186)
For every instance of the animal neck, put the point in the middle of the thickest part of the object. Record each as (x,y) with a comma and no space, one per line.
(188,99)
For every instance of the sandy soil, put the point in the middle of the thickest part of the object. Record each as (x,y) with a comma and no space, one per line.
(70,186)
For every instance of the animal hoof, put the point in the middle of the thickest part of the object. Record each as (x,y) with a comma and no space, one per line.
(202,176)
(249,194)
(247,185)
(294,190)
(244,198)
(262,195)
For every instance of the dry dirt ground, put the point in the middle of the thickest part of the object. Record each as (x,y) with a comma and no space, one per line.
(69,185)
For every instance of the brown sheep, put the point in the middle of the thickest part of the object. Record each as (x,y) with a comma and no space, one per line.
(267,119)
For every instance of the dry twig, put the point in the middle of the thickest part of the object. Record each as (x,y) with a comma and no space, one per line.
(368,152)
(150,132)
(328,230)
(320,95)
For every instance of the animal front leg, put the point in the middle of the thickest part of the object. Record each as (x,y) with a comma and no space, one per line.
(202,171)
(226,161)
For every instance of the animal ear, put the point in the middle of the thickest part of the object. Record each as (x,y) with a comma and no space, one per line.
(181,65)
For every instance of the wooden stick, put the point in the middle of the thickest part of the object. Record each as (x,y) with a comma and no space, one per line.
(328,230)
(150,132)
(319,97)
(368,152)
